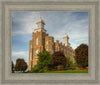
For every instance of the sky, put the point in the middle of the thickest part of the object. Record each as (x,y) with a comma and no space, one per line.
(74,24)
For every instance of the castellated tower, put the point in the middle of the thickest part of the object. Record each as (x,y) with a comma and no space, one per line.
(41,40)
(40,24)
(49,44)
(65,39)
(37,44)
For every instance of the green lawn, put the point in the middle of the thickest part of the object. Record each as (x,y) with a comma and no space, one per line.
(69,71)
(65,71)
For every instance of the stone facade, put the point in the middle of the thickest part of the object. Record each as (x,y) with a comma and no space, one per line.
(41,40)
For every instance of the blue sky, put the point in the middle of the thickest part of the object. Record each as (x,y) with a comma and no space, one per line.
(74,24)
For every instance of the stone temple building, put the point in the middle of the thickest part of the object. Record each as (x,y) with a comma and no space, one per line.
(41,40)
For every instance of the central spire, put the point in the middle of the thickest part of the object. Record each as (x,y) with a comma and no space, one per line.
(65,39)
(40,17)
(40,25)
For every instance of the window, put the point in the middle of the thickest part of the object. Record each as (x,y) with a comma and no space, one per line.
(35,63)
(46,42)
(47,49)
(31,46)
(30,56)
(36,52)
(36,41)
(52,43)
(31,63)
(52,51)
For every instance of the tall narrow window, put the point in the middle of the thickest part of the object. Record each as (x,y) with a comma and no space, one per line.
(35,63)
(30,56)
(47,49)
(46,42)
(36,52)
(31,46)
(52,43)
(31,63)
(36,41)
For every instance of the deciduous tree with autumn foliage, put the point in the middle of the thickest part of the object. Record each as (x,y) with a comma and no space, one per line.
(81,55)
(58,58)
(21,65)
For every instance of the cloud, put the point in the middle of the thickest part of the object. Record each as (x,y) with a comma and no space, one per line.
(26,22)
(75,24)
(77,30)
(20,54)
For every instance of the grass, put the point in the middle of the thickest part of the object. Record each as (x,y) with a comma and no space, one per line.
(64,71)
(69,71)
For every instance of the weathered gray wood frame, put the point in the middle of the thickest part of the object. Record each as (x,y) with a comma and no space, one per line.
(8,6)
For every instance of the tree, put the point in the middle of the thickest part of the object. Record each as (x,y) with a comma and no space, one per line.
(81,55)
(21,65)
(43,61)
(43,58)
(58,58)
(12,66)
(69,61)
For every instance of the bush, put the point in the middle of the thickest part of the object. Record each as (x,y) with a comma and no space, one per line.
(75,65)
(35,69)
(38,69)
(58,58)
(69,62)
(67,66)
(45,69)
(51,67)
(60,67)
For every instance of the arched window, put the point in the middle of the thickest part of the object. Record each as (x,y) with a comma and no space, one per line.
(35,63)
(31,63)
(52,51)
(30,56)
(47,49)
(36,41)
(36,52)
(46,42)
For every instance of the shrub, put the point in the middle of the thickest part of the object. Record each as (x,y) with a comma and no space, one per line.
(45,69)
(75,65)
(58,58)
(51,67)
(35,69)
(69,62)
(67,66)
(59,66)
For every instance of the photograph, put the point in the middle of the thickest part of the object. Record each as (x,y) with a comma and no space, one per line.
(49,42)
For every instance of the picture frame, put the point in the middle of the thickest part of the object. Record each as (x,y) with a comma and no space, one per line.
(7,6)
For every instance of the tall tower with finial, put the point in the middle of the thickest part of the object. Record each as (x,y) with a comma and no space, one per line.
(40,25)
(37,44)
(65,39)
